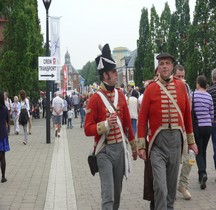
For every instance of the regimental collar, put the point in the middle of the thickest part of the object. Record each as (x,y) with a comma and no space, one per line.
(106,87)
(170,79)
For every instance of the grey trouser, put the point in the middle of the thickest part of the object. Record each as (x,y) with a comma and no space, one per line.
(165,159)
(186,167)
(111,167)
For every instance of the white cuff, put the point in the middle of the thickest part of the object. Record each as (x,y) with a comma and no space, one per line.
(107,125)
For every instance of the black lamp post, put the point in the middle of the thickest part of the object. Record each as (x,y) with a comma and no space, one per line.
(127,59)
(47,5)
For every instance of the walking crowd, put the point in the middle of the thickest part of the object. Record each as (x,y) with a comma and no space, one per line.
(21,111)
(164,122)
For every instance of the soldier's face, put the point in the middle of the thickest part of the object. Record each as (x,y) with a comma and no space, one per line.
(165,67)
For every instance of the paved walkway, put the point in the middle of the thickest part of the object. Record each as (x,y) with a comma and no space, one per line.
(56,176)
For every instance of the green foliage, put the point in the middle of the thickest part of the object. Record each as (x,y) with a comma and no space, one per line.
(89,73)
(193,45)
(142,45)
(22,46)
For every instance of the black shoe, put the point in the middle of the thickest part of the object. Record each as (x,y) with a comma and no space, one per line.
(203,182)
(3,180)
(56,131)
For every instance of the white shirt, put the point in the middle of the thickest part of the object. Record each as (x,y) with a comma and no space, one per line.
(70,114)
(133,107)
(57,105)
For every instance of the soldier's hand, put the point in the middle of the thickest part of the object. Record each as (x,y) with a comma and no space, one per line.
(142,154)
(112,120)
(193,147)
(134,154)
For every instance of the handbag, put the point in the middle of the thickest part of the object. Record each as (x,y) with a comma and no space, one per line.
(92,161)
(92,158)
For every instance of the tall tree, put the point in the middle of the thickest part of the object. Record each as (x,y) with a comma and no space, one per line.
(151,45)
(164,28)
(182,15)
(89,73)
(22,46)
(142,44)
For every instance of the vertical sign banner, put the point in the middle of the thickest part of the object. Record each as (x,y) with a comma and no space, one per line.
(65,80)
(55,42)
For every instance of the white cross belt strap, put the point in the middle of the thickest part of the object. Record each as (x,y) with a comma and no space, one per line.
(128,162)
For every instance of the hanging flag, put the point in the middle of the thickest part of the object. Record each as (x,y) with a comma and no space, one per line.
(55,43)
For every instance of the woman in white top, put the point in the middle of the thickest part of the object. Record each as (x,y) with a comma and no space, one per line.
(15,114)
(24,105)
(133,109)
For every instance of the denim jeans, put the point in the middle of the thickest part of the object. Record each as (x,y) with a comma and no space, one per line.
(69,122)
(134,125)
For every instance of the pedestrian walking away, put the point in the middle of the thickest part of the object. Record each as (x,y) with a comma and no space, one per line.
(24,114)
(107,119)
(164,113)
(57,105)
(179,72)
(4,144)
(204,110)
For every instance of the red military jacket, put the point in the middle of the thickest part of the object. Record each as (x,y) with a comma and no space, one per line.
(157,112)
(97,114)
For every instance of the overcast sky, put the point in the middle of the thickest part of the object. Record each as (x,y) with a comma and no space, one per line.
(87,23)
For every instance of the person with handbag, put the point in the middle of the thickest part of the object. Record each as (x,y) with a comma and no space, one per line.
(108,120)
(165,111)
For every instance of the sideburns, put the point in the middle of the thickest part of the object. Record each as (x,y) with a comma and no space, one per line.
(108,75)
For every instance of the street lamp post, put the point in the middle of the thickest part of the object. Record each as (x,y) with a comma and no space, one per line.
(127,59)
(47,5)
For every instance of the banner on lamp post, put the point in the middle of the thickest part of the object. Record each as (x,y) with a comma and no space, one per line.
(55,43)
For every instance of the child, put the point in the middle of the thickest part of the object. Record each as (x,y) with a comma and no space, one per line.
(69,115)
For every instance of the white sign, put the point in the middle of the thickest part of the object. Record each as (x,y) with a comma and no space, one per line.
(47,68)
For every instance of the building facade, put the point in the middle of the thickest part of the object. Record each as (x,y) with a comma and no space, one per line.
(70,78)
(125,63)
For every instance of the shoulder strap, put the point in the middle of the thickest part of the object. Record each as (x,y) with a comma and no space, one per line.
(172,99)
(112,109)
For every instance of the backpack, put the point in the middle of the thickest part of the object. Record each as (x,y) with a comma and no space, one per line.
(23,117)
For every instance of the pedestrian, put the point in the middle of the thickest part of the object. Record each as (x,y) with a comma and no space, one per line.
(65,110)
(30,116)
(133,109)
(203,107)
(57,105)
(44,106)
(164,112)
(8,104)
(179,72)
(24,112)
(82,110)
(4,143)
(75,102)
(212,91)
(101,123)
(69,116)
(15,114)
